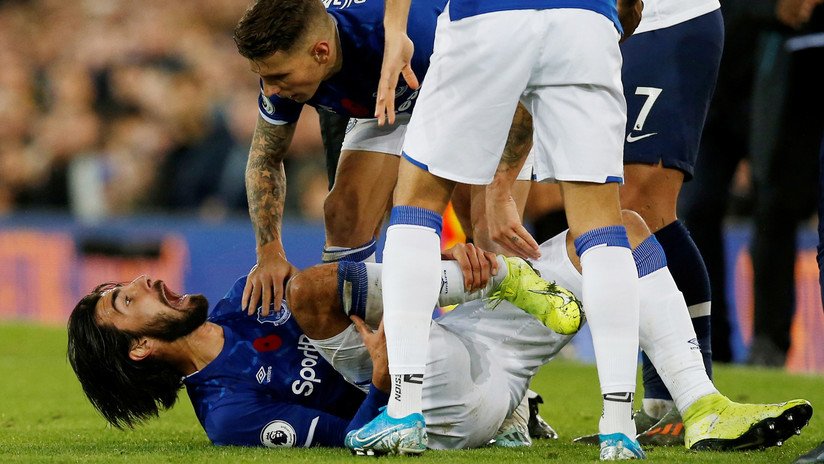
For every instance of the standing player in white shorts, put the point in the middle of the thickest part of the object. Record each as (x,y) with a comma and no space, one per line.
(563,61)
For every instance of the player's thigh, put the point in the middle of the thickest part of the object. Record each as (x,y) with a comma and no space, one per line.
(652,191)
(669,77)
(465,108)
(356,205)
(465,391)
(366,176)
(577,103)
(515,341)
(347,354)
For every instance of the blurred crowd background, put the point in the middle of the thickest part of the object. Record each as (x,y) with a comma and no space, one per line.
(117,108)
(112,107)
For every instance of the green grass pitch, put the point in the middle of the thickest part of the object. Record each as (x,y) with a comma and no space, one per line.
(44,417)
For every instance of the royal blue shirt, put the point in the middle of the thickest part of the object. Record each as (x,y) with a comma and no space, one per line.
(352,90)
(270,387)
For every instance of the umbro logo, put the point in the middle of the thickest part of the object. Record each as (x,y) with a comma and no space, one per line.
(694,344)
(631,138)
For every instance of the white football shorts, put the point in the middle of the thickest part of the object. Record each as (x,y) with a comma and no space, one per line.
(478,370)
(564,64)
(366,135)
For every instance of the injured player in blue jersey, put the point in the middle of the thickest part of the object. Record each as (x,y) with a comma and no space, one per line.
(259,380)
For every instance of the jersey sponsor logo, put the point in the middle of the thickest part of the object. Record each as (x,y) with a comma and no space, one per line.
(341,4)
(631,138)
(278,434)
(308,377)
(275,317)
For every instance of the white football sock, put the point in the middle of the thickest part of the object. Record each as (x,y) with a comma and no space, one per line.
(668,338)
(411,283)
(452,288)
(610,296)
(657,407)
(364,253)
(617,414)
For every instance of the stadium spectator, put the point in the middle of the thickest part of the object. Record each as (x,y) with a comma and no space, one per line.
(64,87)
(788,118)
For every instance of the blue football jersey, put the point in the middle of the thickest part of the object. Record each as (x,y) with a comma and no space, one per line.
(460,9)
(352,90)
(269,386)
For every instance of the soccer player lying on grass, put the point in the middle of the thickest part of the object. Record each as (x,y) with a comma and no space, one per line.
(258,380)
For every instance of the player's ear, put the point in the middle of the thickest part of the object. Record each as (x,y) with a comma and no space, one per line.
(141,349)
(322,51)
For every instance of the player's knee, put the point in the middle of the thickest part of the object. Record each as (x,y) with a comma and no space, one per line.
(637,230)
(299,291)
(334,207)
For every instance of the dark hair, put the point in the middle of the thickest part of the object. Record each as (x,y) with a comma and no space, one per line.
(125,391)
(269,26)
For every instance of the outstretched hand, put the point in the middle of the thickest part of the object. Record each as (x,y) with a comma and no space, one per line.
(265,283)
(506,229)
(397,60)
(375,343)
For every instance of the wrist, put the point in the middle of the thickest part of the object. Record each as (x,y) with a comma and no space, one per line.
(270,250)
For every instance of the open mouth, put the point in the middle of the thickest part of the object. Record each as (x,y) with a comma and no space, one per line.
(168,296)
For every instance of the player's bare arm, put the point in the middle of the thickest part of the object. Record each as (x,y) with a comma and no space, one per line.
(397,58)
(504,222)
(266,192)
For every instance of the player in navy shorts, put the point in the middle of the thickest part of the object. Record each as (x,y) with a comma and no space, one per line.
(669,74)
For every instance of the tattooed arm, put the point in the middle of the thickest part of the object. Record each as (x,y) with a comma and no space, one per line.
(503,213)
(266,192)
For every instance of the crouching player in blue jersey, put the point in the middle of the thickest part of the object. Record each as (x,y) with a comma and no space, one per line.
(327,58)
(259,380)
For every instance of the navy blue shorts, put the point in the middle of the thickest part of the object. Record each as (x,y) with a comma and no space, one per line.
(669,77)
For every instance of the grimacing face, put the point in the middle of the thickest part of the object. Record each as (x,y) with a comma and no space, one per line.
(295,75)
(149,307)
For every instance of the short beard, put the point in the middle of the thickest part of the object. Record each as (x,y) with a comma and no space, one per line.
(169,329)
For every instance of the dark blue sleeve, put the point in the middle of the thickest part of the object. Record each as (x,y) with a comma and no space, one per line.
(259,421)
(368,409)
(276,110)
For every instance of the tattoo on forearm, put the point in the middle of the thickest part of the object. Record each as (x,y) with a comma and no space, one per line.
(519,140)
(266,179)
